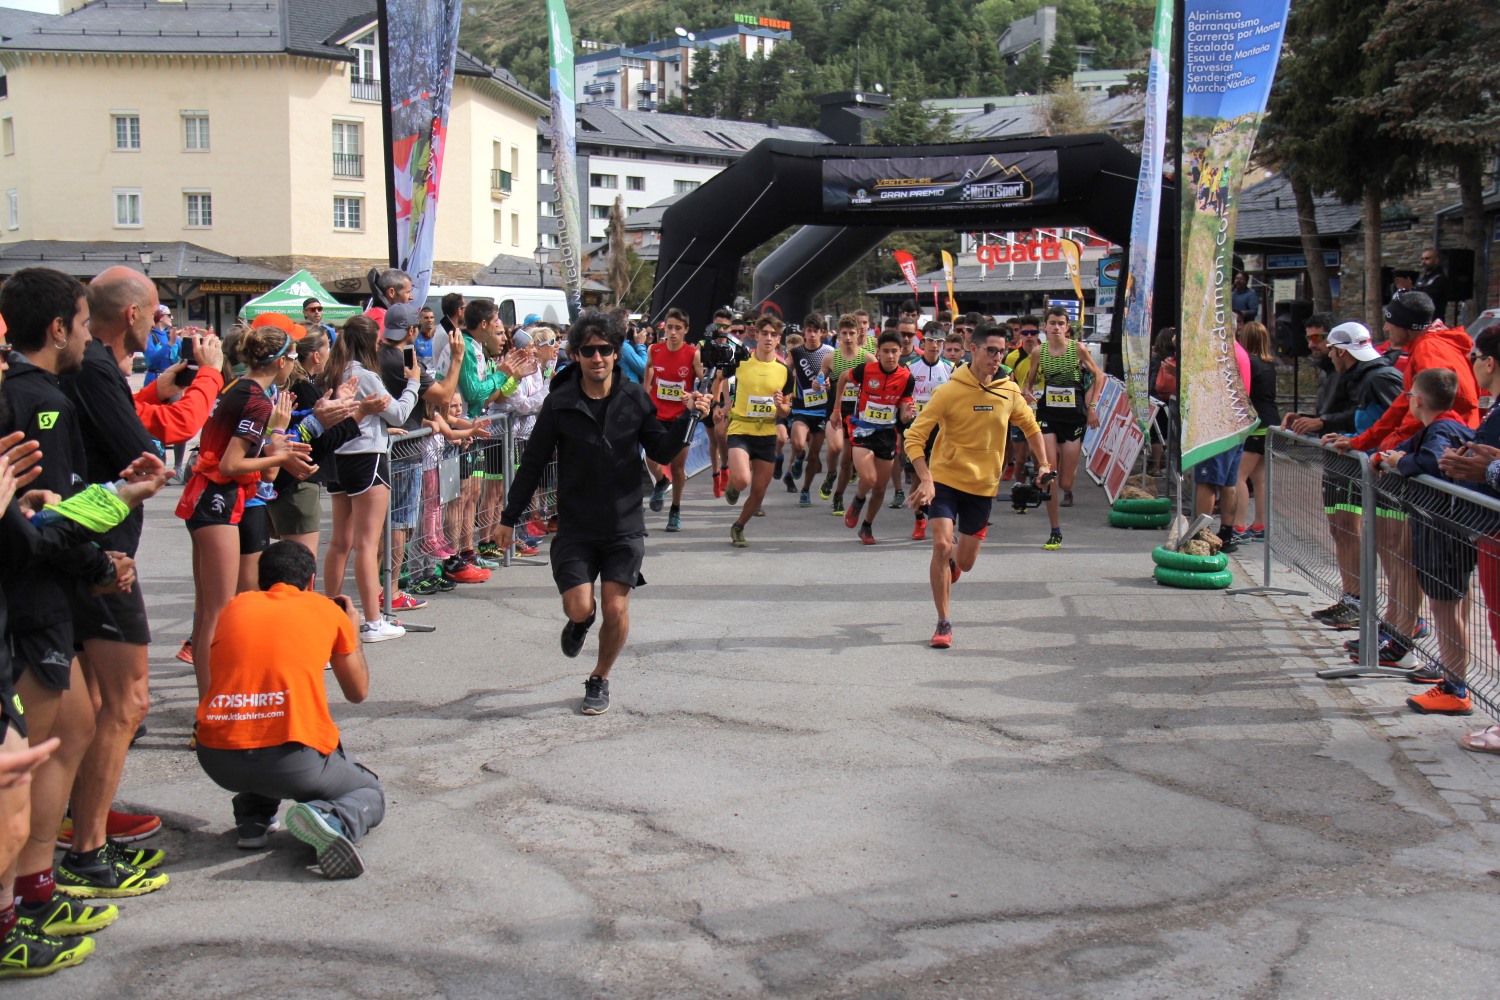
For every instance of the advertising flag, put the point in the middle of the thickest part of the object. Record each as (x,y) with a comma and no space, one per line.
(1230,52)
(1144,222)
(1073,254)
(908,269)
(565,152)
(421,45)
(948,275)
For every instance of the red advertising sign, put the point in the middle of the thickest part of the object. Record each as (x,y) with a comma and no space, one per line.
(908,269)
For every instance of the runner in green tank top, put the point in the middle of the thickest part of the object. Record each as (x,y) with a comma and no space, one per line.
(1065,408)
(848,355)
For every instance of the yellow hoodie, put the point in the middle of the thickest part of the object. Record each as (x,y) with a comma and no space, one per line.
(972,424)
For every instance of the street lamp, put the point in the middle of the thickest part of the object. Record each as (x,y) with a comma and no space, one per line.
(540,255)
(144,253)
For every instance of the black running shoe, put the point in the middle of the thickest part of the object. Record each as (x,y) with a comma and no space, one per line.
(595,696)
(100,875)
(790,483)
(1427,673)
(63,916)
(28,952)
(1323,613)
(776,472)
(796,468)
(574,633)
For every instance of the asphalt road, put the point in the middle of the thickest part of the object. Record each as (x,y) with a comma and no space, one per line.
(1105,789)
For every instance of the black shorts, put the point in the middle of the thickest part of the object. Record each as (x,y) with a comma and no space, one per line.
(12,713)
(1067,425)
(356,473)
(880,443)
(1444,561)
(1342,489)
(114,618)
(215,505)
(968,511)
(255,529)
(816,423)
(762,447)
(1255,444)
(46,652)
(577,561)
(492,458)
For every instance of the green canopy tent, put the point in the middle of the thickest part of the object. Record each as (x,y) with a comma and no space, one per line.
(288,297)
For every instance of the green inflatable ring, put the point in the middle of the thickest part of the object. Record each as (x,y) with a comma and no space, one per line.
(1154,505)
(1188,580)
(1121,519)
(1188,562)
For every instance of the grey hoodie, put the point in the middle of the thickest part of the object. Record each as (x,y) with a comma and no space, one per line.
(374,437)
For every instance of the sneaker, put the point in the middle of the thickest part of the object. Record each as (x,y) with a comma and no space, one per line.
(1241,537)
(462,572)
(63,916)
(825,492)
(1395,653)
(1054,541)
(123,828)
(674,521)
(254,834)
(1424,629)
(380,631)
(405,602)
(789,482)
(919,530)
(1226,537)
(953,571)
(574,633)
(804,499)
(483,562)
(1333,609)
(851,516)
(145,858)
(185,652)
(797,468)
(443,584)
(425,588)
(1258,532)
(659,494)
(337,857)
(737,536)
(942,638)
(732,495)
(27,952)
(595,696)
(523,549)
(838,507)
(1067,498)
(898,499)
(1008,473)
(718,486)
(490,550)
(866,534)
(780,462)
(100,876)
(536,529)
(760,512)
(1440,699)
(1427,673)
(1342,619)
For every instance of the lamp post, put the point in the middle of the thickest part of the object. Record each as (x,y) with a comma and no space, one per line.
(144,253)
(540,255)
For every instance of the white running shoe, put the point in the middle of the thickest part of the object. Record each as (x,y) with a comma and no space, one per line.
(379,631)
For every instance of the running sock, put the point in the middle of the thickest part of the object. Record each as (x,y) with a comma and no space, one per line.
(662,481)
(945,621)
(7,920)
(675,509)
(1352,600)
(80,859)
(1457,690)
(37,888)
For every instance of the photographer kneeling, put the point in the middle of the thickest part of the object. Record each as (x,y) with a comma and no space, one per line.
(264,731)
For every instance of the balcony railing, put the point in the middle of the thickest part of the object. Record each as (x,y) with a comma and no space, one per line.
(645,105)
(348,165)
(500,182)
(594,89)
(646,87)
(364,90)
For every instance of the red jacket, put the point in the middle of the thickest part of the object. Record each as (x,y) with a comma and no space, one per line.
(1438,347)
(176,423)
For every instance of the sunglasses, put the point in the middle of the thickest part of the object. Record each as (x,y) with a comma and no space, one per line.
(992,351)
(596,351)
(316,309)
(1476,356)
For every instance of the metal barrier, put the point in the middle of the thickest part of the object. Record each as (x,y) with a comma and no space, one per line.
(1425,554)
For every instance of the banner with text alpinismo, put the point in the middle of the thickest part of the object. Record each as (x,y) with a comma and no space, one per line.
(565,152)
(421,38)
(1229,59)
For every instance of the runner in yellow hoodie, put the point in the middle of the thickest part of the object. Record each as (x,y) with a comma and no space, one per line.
(970,415)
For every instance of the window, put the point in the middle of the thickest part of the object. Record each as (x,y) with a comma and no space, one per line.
(348,213)
(684,187)
(544,176)
(200,209)
(195,130)
(607,181)
(128,208)
(515,161)
(4,83)
(515,229)
(635,184)
(12,209)
(499,226)
(364,75)
(8,135)
(544,209)
(127,131)
(550,241)
(598,211)
(348,160)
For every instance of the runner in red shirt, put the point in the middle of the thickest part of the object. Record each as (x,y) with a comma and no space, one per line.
(672,370)
(885,398)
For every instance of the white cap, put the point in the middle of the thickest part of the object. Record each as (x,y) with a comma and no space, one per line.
(1353,338)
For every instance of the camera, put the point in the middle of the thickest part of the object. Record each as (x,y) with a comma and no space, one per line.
(721,354)
(1032,492)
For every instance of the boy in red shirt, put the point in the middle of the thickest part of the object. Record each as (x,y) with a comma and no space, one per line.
(672,371)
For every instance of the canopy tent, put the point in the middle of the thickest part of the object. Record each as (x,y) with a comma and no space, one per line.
(288,297)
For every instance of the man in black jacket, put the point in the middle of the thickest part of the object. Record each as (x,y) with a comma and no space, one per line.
(597,421)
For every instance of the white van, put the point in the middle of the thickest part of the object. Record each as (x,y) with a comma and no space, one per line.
(514,303)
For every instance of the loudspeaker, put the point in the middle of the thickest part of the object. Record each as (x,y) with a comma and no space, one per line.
(1460,267)
(1291,327)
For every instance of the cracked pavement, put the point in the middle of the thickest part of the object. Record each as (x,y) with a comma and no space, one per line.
(1105,789)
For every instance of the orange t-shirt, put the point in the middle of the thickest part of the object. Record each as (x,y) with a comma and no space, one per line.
(267,685)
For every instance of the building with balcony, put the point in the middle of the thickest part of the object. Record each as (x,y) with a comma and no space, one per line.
(640,77)
(250,132)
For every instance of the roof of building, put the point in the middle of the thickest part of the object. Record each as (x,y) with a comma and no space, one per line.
(650,217)
(974,279)
(649,130)
(86,258)
(1022,116)
(1268,211)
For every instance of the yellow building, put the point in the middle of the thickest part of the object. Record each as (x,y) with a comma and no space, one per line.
(246,131)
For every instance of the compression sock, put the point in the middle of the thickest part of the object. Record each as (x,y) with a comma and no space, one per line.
(7,919)
(36,888)
(662,482)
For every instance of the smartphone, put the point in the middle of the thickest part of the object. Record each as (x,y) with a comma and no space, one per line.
(408,356)
(185,350)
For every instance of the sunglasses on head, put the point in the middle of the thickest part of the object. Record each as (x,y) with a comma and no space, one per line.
(596,351)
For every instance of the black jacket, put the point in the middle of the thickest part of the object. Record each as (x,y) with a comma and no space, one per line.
(1263,391)
(1369,388)
(600,484)
(1331,399)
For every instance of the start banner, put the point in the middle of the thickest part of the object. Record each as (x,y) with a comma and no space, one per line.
(957,182)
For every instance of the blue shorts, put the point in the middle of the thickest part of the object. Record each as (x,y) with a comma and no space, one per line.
(1221,470)
(969,511)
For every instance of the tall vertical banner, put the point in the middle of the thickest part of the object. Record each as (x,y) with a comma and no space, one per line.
(908,265)
(1230,51)
(421,45)
(948,276)
(1145,225)
(565,152)
(1072,252)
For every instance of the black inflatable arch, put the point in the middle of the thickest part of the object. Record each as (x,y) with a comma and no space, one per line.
(1081,180)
